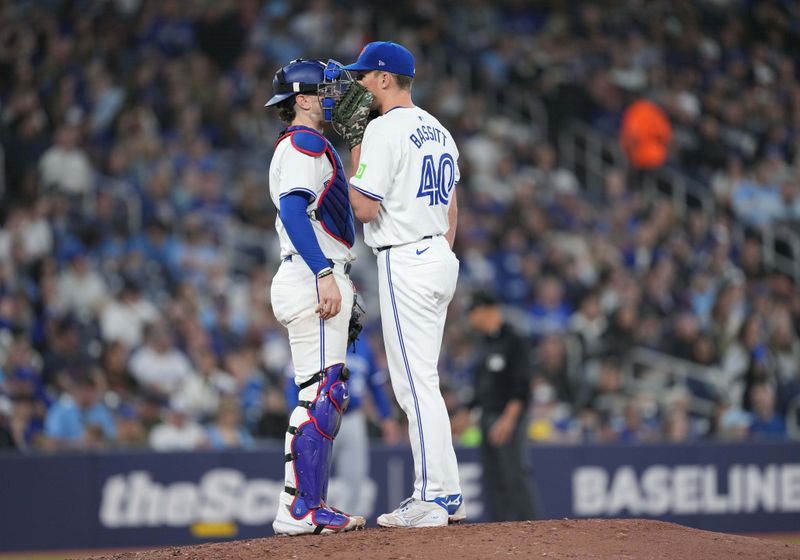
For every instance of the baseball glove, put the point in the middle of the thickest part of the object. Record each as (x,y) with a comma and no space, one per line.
(355,327)
(351,114)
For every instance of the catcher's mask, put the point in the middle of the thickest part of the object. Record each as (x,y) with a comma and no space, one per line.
(335,83)
(329,81)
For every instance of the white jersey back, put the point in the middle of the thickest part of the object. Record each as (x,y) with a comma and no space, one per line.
(293,171)
(409,163)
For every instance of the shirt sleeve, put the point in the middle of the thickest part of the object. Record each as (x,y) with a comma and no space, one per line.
(377,163)
(298,174)
(300,231)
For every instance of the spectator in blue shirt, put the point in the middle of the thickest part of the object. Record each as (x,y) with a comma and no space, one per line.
(79,418)
(550,313)
(766,423)
(756,200)
(228,432)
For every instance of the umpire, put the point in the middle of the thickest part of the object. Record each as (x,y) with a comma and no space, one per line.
(502,370)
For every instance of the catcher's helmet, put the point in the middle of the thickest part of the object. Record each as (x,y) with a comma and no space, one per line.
(329,81)
(299,76)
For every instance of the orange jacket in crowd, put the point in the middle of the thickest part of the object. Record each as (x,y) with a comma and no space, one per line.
(645,135)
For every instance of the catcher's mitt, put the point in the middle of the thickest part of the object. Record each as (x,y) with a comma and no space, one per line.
(355,327)
(351,114)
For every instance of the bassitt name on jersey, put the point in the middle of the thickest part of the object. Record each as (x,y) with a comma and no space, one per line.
(686,490)
(425,133)
(134,499)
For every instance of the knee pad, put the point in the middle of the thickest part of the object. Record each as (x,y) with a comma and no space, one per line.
(312,440)
(331,401)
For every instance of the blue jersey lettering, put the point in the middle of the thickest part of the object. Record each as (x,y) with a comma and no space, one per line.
(426,133)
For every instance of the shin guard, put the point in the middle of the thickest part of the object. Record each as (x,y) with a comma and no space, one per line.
(312,440)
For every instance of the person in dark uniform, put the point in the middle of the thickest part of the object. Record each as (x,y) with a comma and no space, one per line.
(502,381)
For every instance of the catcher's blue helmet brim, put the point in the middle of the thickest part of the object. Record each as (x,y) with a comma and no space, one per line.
(277,98)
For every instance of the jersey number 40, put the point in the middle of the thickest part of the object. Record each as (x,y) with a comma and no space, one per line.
(437,181)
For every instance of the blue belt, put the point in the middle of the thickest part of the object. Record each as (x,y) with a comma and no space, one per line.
(390,246)
(344,266)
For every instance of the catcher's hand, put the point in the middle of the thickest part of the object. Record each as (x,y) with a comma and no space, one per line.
(355,327)
(351,114)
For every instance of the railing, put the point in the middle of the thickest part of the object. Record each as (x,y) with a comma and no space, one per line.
(517,105)
(781,249)
(684,192)
(588,154)
(122,194)
(657,372)
(591,156)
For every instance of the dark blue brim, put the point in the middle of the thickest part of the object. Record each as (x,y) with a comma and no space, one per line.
(275,99)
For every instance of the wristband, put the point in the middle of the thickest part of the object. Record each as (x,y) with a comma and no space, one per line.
(327,271)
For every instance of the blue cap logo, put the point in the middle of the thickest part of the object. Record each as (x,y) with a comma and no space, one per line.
(385,56)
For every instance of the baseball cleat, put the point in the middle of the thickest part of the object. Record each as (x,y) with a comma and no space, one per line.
(415,513)
(318,521)
(359,519)
(454,504)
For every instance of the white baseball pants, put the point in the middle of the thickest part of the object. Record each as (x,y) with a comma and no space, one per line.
(315,344)
(417,282)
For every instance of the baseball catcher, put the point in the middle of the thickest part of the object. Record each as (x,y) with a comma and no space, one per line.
(311,287)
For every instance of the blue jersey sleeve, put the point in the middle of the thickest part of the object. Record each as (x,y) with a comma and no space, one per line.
(300,231)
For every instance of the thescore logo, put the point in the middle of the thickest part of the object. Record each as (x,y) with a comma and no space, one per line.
(222,495)
(685,490)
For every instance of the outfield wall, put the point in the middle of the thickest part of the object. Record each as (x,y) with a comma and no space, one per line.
(111,500)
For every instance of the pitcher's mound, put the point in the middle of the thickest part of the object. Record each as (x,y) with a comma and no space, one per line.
(589,538)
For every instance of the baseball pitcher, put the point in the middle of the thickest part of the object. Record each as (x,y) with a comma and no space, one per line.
(403,190)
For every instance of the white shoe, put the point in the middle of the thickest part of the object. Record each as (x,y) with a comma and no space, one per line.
(415,513)
(318,521)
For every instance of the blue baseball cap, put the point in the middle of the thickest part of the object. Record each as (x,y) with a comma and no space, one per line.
(386,57)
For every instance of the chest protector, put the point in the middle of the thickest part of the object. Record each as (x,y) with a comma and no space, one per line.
(332,209)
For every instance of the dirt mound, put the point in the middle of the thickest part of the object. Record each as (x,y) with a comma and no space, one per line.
(591,538)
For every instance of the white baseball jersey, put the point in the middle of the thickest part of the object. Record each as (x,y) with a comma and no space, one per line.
(409,163)
(293,171)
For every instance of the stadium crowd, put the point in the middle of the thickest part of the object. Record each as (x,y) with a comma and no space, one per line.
(137,242)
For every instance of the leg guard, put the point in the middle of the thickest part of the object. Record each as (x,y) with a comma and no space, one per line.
(312,442)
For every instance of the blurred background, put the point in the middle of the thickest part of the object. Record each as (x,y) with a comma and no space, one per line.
(630,191)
